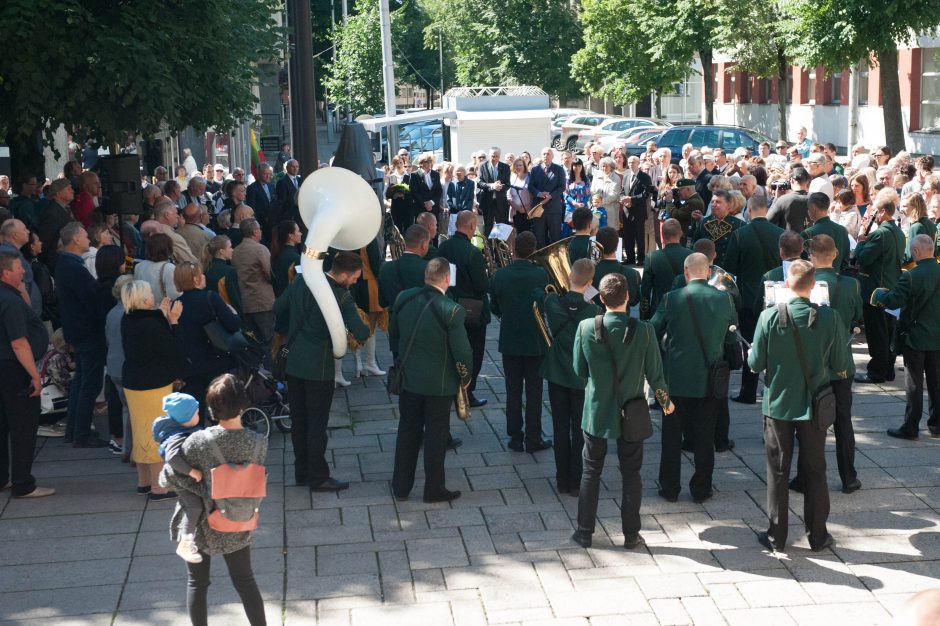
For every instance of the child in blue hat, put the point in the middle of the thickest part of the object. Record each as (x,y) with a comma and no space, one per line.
(171,430)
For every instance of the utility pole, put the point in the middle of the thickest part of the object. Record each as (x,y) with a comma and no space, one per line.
(440,57)
(388,73)
(302,99)
(852,136)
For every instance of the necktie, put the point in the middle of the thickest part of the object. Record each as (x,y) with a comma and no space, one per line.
(427,179)
(267,191)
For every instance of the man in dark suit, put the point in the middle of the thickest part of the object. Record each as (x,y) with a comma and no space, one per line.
(702,176)
(547,182)
(425,187)
(639,188)
(286,193)
(492,183)
(407,271)
(259,196)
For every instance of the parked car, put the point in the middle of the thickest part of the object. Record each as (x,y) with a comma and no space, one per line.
(574,125)
(716,136)
(614,126)
(559,117)
(630,137)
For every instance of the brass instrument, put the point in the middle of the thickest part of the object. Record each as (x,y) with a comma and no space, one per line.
(537,210)
(554,259)
(723,281)
(396,243)
(462,400)
(595,252)
(542,324)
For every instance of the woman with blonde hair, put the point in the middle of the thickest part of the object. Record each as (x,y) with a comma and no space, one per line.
(608,182)
(915,208)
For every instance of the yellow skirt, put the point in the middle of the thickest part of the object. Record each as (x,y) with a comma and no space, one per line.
(145,407)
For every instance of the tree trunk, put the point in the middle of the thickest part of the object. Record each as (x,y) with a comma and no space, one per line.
(658,104)
(891,99)
(708,76)
(26,157)
(782,93)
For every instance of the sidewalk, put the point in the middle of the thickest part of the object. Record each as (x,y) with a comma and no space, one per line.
(96,553)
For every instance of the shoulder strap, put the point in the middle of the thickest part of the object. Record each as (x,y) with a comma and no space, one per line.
(799,349)
(834,298)
(696,327)
(672,265)
(160,280)
(216,451)
(768,258)
(600,334)
(569,316)
(293,334)
(414,332)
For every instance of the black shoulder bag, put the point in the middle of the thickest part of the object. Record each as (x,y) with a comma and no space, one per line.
(719,372)
(822,400)
(635,422)
(396,372)
(279,367)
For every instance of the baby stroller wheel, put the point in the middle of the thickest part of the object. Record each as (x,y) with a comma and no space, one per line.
(257,420)
(280,415)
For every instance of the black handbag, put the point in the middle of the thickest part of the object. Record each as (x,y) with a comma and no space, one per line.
(221,339)
(823,400)
(719,372)
(635,422)
(279,366)
(474,308)
(396,373)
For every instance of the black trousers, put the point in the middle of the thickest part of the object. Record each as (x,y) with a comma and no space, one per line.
(747,318)
(422,419)
(844,432)
(476,335)
(547,229)
(567,407)
(630,457)
(489,217)
(19,419)
(879,330)
(722,421)
(919,365)
(811,466)
(698,415)
(634,241)
(115,409)
(310,402)
(243,579)
(523,371)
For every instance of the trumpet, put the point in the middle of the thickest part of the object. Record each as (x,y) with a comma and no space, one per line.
(542,324)
(396,243)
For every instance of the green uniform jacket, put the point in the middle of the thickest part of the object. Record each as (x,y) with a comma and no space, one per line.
(686,367)
(563,314)
(579,248)
(396,276)
(360,290)
(660,268)
(311,352)
(218,270)
(433,252)
(679,283)
(609,266)
(752,251)
(514,288)
(719,232)
(472,281)
(280,268)
(845,300)
(774,350)
(639,358)
(923,226)
(911,293)
(440,358)
(879,258)
(825,226)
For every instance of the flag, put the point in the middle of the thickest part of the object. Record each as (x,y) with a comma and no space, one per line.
(257,157)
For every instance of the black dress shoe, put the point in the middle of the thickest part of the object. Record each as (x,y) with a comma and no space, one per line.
(575,491)
(582,538)
(765,540)
(535,446)
(741,400)
(516,446)
(561,487)
(330,484)
(796,485)
(629,543)
(897,433)
(668,498)
(933,433)
(702,498)
(90,442)
(300,483)
(454,442)
(852,487)
(443,496)
(476,402)
(866,378)
(688,446)
(725,448)
(826,543)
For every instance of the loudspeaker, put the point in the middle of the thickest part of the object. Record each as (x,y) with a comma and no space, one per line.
(120,184)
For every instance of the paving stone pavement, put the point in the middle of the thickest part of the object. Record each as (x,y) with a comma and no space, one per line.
(96,553)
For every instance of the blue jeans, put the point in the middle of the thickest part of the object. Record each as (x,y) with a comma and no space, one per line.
(85,386)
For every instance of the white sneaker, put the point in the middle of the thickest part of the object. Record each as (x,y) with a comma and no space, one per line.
(49,431)
(187,550)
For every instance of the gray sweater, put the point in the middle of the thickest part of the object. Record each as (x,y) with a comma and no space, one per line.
(238,446)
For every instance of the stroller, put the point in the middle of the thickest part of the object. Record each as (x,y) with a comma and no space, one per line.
(267,395)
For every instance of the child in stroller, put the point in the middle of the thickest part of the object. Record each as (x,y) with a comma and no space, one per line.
(268,396)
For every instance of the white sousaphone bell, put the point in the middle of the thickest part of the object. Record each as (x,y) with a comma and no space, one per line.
(341,211)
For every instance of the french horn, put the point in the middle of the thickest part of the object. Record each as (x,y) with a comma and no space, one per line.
(341,211)
(723,281)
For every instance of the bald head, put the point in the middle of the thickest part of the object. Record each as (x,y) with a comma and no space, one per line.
(150,227)
(191,213)
(922,609)
(466,222)
(922,247)
(696,266)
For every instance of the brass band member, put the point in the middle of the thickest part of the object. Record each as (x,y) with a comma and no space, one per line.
(633,344)
(660,268)
(565,387)
(432,368)
(719,225)
(608,239)
(310,368)
(514,289)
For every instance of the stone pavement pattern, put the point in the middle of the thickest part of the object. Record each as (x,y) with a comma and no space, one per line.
(96,553)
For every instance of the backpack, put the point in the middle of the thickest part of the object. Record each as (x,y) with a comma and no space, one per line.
(237,490)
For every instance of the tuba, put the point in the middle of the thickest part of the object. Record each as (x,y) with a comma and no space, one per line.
(341,210)
(723,281)
(554,259)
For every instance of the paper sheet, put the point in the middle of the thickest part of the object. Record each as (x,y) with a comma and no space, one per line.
(852,243)
(453,275)
(501,231)
(589,293)
(894,312)
(298,270)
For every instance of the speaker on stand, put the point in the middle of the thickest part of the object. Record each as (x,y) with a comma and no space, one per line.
(121,191)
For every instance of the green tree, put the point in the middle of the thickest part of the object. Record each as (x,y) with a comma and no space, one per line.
(751,34)
(117,67)
(843,33)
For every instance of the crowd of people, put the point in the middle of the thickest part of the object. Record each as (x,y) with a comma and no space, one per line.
(132,298)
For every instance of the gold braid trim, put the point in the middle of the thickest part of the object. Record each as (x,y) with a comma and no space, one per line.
(716,230)
(662,396)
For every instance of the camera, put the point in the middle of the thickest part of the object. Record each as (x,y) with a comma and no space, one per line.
(779,185)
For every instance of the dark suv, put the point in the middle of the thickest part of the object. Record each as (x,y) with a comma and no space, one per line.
(728,138)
